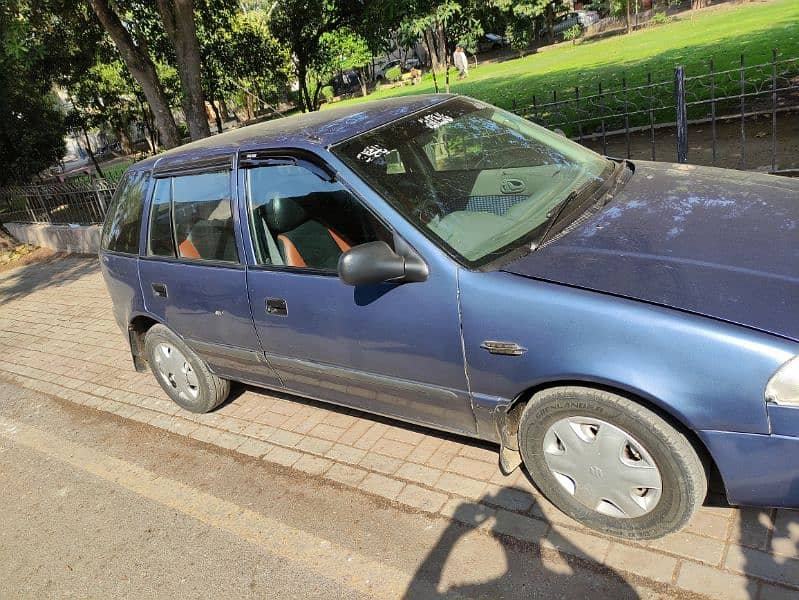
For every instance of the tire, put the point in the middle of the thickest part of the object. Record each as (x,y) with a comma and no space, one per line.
(182,374)
(589,483)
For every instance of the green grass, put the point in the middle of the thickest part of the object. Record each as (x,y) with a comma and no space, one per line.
(723,34)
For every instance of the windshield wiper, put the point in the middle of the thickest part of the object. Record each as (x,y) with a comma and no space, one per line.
(555,213)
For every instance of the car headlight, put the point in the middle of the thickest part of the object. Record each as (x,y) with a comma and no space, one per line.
(783,387)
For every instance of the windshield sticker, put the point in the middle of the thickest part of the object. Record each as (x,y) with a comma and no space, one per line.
(435,120)
(372,153)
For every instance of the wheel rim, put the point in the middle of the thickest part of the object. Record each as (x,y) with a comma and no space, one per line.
(175,371)
(602,467)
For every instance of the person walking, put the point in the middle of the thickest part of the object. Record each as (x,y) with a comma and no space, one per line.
(461,62)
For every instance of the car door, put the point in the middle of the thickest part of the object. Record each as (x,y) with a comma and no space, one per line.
(191,276)
(393,349)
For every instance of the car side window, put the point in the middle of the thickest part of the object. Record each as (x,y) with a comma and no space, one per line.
(123,221)
(202,217)
(298,219)
(159,238)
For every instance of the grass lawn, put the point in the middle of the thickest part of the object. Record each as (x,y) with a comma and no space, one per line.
(723,34)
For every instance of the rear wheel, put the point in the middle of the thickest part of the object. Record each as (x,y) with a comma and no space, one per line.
(610,463)
(182,374)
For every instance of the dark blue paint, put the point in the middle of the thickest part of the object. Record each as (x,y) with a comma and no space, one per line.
(682,292)
(716,242)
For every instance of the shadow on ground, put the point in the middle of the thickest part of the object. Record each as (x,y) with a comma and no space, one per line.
(56,270)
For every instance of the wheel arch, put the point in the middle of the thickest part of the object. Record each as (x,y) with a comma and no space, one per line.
(138,327)
(514,410)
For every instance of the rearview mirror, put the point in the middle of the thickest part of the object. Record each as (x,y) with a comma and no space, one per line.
(376,262)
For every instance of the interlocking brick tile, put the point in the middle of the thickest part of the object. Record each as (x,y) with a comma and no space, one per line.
(762,564)
(255,448)
(403,435)
(314,465)
(326,432)
(472,468)
(785,540)
(282,456)
(521,527)
(381,485)
(488,455)
(345,474)
(751,527)
(512,498)
(707,581)
(424,450)
(378,462)
(355,431)
(470,513)
(420,498)
(420,473)
(314,445)
(641,562)
(689,545)
(372,435)
(284,438)
(463,486)
(576,543)
(710,525)
(392,448)
(347,454)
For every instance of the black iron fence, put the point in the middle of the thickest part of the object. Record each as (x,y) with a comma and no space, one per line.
(82,202)
(684,104)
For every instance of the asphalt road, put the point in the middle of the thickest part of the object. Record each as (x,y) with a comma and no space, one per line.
(94,506)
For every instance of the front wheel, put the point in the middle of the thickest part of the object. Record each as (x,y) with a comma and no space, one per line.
(610,463)
(182,374)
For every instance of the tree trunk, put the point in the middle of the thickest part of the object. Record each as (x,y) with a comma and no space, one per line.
(142,69)
(121,131)
(428,41)
(627,16)
(178,17)
(549,17)
(218,117)
(91,153)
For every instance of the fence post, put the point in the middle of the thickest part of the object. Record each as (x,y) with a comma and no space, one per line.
(43,204)
(743,114)
(602,113)
(682,117)
(626,115)
(577,113)
(651,113)
(713,108)
(773,110)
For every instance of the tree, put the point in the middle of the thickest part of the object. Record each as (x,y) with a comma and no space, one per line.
(300,25)
(33,128)
(178,20)
(142,68)
(342,50)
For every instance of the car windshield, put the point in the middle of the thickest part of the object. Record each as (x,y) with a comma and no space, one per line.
(479,180)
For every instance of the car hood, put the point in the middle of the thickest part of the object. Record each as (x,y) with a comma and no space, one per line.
(715,242)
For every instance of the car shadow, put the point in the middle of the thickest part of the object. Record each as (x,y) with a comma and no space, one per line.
(519,569)
(769,549)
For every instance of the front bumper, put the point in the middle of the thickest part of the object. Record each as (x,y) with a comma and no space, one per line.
(759,469)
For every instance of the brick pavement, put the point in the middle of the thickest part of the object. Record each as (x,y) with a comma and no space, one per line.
(58,337)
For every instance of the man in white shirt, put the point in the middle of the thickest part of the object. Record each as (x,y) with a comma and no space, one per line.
(461,62)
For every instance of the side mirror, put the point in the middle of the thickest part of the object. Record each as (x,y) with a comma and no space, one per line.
(376,262)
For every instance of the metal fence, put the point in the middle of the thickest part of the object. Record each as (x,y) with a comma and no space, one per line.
(742,93)
(83,202)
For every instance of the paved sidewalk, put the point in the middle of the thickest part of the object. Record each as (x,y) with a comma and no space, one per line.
(57,336)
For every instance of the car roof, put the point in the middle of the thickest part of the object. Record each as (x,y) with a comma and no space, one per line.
(321,128)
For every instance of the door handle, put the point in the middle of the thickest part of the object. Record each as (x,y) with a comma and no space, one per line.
(277,307)
(159,290)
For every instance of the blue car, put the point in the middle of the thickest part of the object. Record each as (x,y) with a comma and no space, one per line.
(627,330)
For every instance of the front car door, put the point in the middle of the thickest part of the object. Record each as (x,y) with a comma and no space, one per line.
(190,273)
(386,348)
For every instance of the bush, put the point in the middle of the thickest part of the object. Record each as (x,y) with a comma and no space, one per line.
(327,92)
(660,18)
(394,74)
(572,33)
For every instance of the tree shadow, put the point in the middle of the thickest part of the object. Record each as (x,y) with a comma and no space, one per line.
(53,271)
(529,570)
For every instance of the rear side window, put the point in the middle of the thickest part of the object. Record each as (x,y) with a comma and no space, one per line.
(123,221)
(159,240)
(202,217)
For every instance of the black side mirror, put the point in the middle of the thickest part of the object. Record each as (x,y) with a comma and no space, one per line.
(376,262)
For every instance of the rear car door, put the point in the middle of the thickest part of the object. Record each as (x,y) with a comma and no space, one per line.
(191,276)
(386,348)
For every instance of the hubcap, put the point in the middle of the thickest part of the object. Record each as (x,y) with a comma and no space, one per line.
(602,466)
(175,372)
